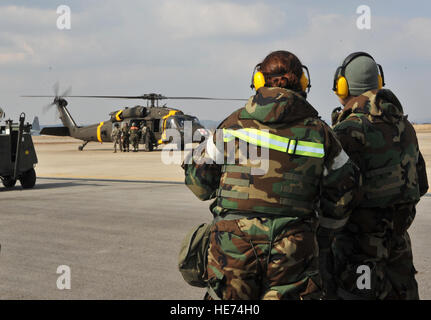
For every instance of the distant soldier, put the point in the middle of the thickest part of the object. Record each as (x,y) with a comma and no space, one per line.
(134,136)
(116,137)
(377,136)
(125,137)
(144,134)
(147,137)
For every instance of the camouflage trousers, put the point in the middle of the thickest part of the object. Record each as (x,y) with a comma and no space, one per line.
(118,141)
(126,144)
(378,238)
(263,258)
(135,141)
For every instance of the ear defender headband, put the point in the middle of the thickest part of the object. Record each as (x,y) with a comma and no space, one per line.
(258,79)
(340,86)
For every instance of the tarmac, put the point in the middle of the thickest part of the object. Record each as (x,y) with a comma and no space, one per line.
(117,220)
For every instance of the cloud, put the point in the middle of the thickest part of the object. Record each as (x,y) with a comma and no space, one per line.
(14,50)
(191,18)
(194,48)
(332,36)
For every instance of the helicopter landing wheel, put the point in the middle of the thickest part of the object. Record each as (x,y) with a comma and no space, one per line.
(80,148)
(28,179)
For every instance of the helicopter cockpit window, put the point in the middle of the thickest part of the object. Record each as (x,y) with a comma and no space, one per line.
(180,121)
(170,124)
(196,121)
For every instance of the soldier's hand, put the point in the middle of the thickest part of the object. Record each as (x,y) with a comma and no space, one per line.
(335,114)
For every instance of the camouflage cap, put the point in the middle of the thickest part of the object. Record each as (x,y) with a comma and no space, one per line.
(361,75)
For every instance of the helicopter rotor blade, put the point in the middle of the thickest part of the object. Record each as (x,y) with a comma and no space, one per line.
(46,108)
(36,96)
(67,92)
(205,98)
(148,97)
(110,97)
(151,96)
(56,88)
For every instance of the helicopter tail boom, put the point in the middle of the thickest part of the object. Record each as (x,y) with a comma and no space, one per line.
(66,118)
(55,131)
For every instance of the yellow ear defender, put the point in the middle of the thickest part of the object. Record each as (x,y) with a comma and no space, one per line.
(258,79)
(380,80)
(305,80)
(341,87)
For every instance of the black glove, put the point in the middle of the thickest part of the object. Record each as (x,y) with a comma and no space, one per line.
(335,114)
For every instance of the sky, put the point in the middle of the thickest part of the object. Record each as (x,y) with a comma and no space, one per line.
(201,48)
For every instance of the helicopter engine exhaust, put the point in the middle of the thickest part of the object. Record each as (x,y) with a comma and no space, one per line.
(135,112)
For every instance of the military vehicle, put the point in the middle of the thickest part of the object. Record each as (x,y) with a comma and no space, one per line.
(17,155)
(156,118)
(35,127)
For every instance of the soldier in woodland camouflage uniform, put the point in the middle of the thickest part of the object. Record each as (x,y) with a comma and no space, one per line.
(378,137)
(263,241)
(116,137)
(134,136)
(125,137)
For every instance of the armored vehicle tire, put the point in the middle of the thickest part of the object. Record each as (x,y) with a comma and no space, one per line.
(8,182)
(28,179)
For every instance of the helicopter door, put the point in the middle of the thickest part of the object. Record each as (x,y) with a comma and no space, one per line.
(156,125)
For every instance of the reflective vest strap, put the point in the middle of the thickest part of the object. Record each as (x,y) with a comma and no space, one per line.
(232,194)
(227,136)
(272,141)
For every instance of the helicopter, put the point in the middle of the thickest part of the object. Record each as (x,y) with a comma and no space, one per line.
(158,119)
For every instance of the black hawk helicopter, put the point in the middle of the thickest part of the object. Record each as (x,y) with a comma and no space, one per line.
(156,118)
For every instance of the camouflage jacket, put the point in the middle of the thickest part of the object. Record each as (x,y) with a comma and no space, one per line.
(134,131)
(125,132)
(378,137)
(312,173)
(116,134)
